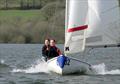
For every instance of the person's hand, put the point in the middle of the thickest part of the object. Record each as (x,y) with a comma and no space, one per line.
(47,48)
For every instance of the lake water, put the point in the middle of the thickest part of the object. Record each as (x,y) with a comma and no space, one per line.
(21,64)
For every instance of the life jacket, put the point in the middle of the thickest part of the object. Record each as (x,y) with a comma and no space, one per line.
(53,52)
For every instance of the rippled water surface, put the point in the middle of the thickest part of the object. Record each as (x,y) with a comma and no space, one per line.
(21,64)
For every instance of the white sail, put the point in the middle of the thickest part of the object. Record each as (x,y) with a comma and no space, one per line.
(104,23)
(76,13)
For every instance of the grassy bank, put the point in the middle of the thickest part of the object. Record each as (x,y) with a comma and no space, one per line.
(32,26)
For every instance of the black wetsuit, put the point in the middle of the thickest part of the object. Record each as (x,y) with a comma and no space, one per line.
(53,52)
(45,52)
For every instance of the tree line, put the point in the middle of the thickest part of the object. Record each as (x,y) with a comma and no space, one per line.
(23,4)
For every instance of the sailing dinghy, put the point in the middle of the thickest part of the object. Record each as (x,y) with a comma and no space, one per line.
(89,23)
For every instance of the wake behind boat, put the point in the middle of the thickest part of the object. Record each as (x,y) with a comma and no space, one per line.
(65,65)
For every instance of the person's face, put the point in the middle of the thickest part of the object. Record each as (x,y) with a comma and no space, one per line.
(52,43)
(47,42)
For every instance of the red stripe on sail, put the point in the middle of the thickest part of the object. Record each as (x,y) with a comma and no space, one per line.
(77,28)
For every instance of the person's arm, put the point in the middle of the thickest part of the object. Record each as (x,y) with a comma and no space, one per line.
(43,51)
(59,52)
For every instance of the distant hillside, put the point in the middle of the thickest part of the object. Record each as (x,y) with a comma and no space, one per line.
(31,25)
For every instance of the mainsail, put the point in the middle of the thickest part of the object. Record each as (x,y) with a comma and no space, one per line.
(104,23)
(93,23)
(76,13)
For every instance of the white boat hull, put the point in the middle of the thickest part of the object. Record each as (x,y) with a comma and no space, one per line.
(69,67)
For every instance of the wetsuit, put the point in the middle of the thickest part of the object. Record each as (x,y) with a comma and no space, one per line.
(45,52)
(53,52)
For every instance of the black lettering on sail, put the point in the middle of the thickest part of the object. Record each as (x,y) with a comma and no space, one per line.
(66,48)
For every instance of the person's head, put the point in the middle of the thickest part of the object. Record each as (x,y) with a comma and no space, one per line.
(52,42)
(47,41)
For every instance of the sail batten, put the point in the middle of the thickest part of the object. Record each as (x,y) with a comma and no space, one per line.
(77,28)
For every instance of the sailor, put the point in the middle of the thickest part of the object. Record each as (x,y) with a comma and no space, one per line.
(54,51)
(45,49)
